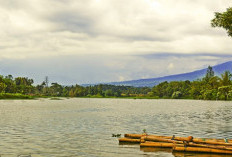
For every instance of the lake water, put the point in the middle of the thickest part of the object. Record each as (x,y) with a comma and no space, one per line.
(83,127)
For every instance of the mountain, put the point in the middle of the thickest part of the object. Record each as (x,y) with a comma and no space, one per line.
(218,69)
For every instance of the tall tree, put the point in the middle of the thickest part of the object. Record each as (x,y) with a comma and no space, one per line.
(209,73)
(225,80)
(223,20)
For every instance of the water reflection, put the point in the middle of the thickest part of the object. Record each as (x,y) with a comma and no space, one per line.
(180,154)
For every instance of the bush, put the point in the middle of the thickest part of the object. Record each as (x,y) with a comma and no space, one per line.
(176,95)
(14,96)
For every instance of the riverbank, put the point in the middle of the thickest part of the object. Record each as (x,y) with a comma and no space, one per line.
(22,96)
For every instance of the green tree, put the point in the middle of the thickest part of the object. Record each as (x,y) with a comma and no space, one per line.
(2,87)
(160,89)
(196,88)
(56,89)
(10,84)
(214,82)
(108,93)
(210,94)
(223,20)
(225,78)
(24,85)
(209,74)
(224,91)
(177,95)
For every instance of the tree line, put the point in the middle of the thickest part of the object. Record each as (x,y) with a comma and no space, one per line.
(210,87)
(24,86)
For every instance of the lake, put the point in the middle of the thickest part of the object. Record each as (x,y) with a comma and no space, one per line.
(84,127)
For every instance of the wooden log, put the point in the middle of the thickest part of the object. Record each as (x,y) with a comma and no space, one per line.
(211,139)
(129,140)
(217,145)
(157,144)
(192,154)
(206,145)
(189,139)
(210,146)
(212,142)
(156,149)
(156,139)
(201,150)
(136,136)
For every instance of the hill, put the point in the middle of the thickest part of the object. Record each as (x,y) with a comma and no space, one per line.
(218,69)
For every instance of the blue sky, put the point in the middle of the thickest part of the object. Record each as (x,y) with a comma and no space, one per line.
(89,41)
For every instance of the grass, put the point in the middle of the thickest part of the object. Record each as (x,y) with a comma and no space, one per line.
(15,96)
(121,97)
(22,96)
(55,98)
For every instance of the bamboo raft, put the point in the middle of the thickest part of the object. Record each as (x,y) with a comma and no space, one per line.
(180,144)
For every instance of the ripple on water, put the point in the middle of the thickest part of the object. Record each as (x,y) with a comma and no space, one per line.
(83,127)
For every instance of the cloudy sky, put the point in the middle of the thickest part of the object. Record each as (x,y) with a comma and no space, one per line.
(89,41)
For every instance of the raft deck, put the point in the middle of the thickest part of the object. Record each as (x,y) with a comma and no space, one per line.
(180,144)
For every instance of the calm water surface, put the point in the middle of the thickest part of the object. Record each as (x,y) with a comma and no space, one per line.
(83,127)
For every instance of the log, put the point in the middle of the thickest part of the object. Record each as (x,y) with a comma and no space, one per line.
(192,154)
(212,142)
(211,139)
(129,140)
(217,145)
(145,137)
(156,139)
(155,149)
(188,139)
(138,136)
(210,146)
(157,144)
(201,150)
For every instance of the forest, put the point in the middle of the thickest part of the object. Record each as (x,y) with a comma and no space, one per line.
(210,87)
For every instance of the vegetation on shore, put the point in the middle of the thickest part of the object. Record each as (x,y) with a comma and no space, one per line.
(14,96)
(210,87)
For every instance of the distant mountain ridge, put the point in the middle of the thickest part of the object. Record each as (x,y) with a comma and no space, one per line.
(218,69)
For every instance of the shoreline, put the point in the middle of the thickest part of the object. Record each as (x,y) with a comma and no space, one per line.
(18,96)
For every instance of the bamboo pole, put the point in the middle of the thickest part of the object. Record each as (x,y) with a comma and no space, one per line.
(192,154)
(201,150)
(212,142)
(129,140)
(138,136)
(155,149)
(176,138)
(210,146)
(157,144)
(217,145)
(155,139)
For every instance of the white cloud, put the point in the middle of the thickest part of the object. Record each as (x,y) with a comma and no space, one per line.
(170,66)
(42,28)
(53,28)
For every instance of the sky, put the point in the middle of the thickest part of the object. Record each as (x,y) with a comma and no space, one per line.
(92,41)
